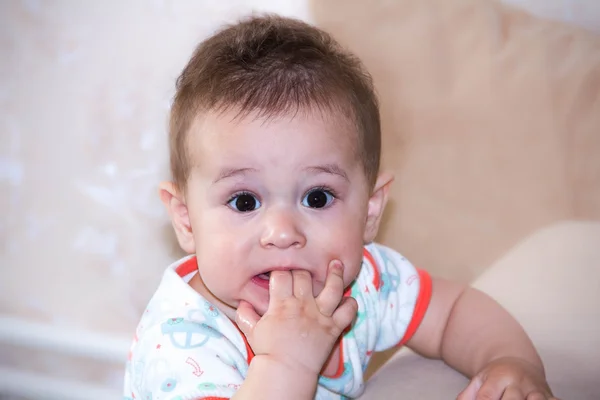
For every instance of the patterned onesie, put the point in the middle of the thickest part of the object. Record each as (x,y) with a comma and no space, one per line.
(184,348)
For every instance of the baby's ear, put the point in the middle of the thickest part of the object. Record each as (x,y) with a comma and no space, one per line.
(178,212)
(377,203)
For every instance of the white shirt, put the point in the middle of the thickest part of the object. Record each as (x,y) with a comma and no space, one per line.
(185,348)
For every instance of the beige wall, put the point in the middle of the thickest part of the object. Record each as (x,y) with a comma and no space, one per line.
(488,116)
(84,94)
(491,122)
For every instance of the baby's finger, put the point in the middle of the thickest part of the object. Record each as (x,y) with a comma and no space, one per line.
(246,318)
(470,391)
(538,396)
(345,313)
(492,389)
(302,284)
(280,285)
(512,393)
(331,295)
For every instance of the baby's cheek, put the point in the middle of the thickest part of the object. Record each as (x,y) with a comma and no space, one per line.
(352,261)
(351,271)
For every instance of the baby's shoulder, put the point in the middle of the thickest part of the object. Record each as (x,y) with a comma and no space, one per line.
(381,257)
(184,322)
(384,270)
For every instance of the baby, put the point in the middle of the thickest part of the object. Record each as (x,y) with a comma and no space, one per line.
(277,197)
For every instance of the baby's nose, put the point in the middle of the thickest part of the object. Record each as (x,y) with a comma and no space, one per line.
(282,230)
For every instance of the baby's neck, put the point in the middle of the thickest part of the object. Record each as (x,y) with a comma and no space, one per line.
(197,284)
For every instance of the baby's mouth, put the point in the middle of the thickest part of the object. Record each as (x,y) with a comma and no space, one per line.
(265,276)
(262,280)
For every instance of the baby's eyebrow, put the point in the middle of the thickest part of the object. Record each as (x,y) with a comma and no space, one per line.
(232,172)
(332,169)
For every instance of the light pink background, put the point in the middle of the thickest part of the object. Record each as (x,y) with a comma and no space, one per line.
(491,122)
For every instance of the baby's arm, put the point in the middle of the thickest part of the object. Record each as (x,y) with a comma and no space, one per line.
(270,379)
(474,334)
(294,338)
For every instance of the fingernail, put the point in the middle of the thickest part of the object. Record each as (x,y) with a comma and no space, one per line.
(337,265)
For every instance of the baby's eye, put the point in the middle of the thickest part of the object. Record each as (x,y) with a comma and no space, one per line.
(244,202)
(317,198)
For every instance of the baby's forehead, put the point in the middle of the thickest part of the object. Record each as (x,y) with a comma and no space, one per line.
(237,132)
(233,120)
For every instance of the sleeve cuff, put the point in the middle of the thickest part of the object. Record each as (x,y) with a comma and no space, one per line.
(420,306)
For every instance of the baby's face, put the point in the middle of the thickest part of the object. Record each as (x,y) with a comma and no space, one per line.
(266,194)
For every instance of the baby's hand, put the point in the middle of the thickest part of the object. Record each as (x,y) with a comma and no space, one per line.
(299,330)
(508,378)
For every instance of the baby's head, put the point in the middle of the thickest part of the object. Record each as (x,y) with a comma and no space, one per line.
(275,149)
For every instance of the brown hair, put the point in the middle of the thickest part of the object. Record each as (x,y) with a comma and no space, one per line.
(274,65)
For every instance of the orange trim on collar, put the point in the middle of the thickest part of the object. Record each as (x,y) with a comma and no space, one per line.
(187,267)
(249,352)
(212,398)
(377,274)
(340,368)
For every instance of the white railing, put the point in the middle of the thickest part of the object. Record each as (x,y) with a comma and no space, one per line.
(37,336)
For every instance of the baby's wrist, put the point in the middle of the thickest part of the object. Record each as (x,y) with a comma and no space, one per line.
(283,379)
(510,353)
(273,379)
(531,365)
(285,369)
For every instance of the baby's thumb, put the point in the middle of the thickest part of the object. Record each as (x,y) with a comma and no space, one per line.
(246,318)
(470,392)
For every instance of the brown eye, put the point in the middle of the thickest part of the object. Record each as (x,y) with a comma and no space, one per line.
(244,202)
(317,198)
